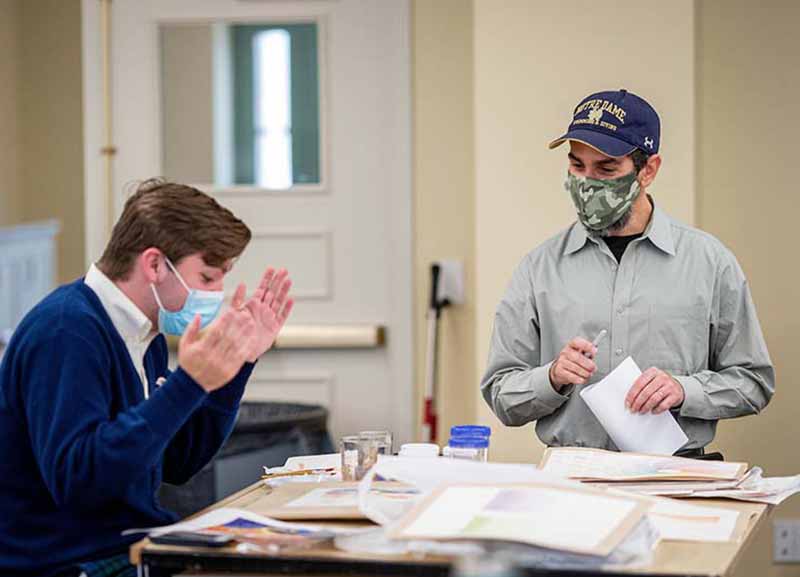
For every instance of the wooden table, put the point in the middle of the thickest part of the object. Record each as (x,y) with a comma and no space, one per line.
(671,557)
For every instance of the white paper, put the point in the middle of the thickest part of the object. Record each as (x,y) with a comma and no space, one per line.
(307,462)
(678,521)
(327,497)
(642,433)
(431,473)
(348,497)
(329,461)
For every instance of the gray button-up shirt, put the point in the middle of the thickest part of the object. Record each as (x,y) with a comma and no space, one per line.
(678,300)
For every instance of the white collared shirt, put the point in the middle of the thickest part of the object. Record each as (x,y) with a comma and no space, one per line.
(131,323)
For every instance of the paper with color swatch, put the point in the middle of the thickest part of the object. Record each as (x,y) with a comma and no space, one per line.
(575,519)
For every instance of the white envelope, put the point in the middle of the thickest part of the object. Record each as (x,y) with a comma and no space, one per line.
(642,433)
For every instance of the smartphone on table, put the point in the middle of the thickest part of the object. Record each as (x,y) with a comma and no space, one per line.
(191,539)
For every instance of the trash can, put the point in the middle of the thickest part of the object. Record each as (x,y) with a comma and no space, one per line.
(266,433)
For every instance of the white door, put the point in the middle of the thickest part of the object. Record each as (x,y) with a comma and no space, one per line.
(344,232)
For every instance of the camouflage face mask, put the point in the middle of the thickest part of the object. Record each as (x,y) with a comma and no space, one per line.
(601,203)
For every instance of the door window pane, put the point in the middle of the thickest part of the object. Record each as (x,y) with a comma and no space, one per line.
(276,105)
(273,138)
(240,104)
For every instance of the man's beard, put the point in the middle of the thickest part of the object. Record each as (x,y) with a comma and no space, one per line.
(617,226)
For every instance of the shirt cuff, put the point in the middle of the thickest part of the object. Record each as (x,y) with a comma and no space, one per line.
(693,397)
(544,391)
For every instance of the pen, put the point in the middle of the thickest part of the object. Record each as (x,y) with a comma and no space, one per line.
(600,336)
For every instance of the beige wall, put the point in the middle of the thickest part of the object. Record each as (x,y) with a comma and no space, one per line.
(532,66)
(41,158)
(10,198)
(748,93)
(444,192)
(50,121)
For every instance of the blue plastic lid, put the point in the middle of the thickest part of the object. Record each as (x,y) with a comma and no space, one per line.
(470,431)
(469,442)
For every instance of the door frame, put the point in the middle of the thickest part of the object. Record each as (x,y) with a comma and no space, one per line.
(100,202)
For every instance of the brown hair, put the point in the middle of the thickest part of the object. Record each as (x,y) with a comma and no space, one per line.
(639,158)
(178,220)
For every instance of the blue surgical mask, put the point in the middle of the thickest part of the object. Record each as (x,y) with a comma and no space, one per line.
(203,303)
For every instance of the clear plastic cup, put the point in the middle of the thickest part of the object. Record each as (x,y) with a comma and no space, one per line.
(381,438)
(352,458)
(374,443)
(468,448)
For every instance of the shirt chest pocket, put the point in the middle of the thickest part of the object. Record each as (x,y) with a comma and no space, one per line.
(560,321)
(677,337)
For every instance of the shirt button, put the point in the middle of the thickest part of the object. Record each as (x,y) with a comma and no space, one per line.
(621,310)
(619,352)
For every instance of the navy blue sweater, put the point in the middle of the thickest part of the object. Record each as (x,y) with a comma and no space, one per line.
(82,453)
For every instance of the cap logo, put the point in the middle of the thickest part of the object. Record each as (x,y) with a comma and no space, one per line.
(595,114)
(596,109)
(648,142)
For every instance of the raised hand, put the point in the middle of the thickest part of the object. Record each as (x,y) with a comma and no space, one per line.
(214,357)
(269,307)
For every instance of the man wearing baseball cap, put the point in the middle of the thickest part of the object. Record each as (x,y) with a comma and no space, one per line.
(671,296)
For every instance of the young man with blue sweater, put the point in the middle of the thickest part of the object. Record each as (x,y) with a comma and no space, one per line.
(92,419)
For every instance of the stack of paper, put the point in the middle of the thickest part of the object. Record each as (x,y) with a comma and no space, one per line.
(646,474)
(599,465)
(524,505)
(668,476)
(674,488)
(754,487)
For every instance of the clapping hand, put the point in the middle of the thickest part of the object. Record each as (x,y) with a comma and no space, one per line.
(212,358)
(269,307)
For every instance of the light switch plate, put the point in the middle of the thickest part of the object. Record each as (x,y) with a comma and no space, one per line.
(786,540)
(451,281)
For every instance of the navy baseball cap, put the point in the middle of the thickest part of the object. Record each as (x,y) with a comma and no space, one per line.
(615,122)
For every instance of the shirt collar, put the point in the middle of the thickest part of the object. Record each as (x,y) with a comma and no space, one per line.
(127,318)
(576,239)
(658,231)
